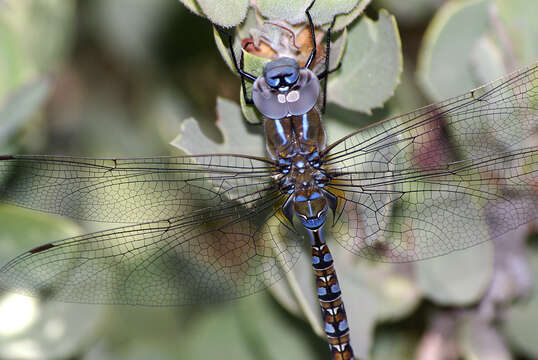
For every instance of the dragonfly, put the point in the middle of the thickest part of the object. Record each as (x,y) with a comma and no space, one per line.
(208,228)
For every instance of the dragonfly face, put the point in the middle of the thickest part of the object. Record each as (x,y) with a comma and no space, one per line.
(285,89)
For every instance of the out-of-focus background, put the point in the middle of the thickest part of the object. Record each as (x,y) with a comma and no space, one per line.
(117,78)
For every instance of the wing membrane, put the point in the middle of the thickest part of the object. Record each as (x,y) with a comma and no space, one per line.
(213,254)
(131,190)
(424,184)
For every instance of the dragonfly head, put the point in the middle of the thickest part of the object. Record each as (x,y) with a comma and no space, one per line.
(285,89)
(281,74)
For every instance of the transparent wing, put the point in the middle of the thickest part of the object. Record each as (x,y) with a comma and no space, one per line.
(423,184)
(223,252)
(130,190)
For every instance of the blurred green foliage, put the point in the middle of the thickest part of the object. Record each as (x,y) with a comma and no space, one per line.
(117,78)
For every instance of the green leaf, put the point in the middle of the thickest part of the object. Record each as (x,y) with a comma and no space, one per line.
(480,340)
(224,50)
(55,330)
(371,66)
(221,328)
(392,344)
(344,20)
(489,56)
(193,6)
(293,11)
(520,321)
(410,11)
(45,330)
(24,229)
(338,49)
(164,332)
(244,329)
(252,21)
(340,122)
(11,59)
(40,32)
(224,13)
(517,21)
(324,11)
(443,67)
(235,132)
(20,105)
(271,327)
(459,278)
(128,28)
(253,65)
(500,37)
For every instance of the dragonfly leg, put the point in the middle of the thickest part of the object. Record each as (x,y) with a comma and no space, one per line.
(327,71)
(312,34)
(324,73)
(248,99)
(239,68)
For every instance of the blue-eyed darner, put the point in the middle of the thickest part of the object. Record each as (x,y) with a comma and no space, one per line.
(215,228)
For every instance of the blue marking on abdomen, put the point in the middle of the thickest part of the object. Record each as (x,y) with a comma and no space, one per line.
(335,288)
(343,325)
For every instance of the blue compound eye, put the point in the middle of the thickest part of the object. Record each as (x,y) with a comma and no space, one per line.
(282,72)
(273,82)
(291,78)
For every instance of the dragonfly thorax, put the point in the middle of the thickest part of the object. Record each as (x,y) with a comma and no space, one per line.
(305,181)
(285,90)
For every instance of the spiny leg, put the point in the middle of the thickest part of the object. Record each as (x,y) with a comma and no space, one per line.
(327,70)
(239,68)
(312,34)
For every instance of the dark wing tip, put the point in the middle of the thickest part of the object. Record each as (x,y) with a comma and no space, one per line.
(7,157)
(41,248)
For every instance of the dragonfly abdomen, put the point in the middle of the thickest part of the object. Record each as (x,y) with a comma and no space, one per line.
(330,298)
